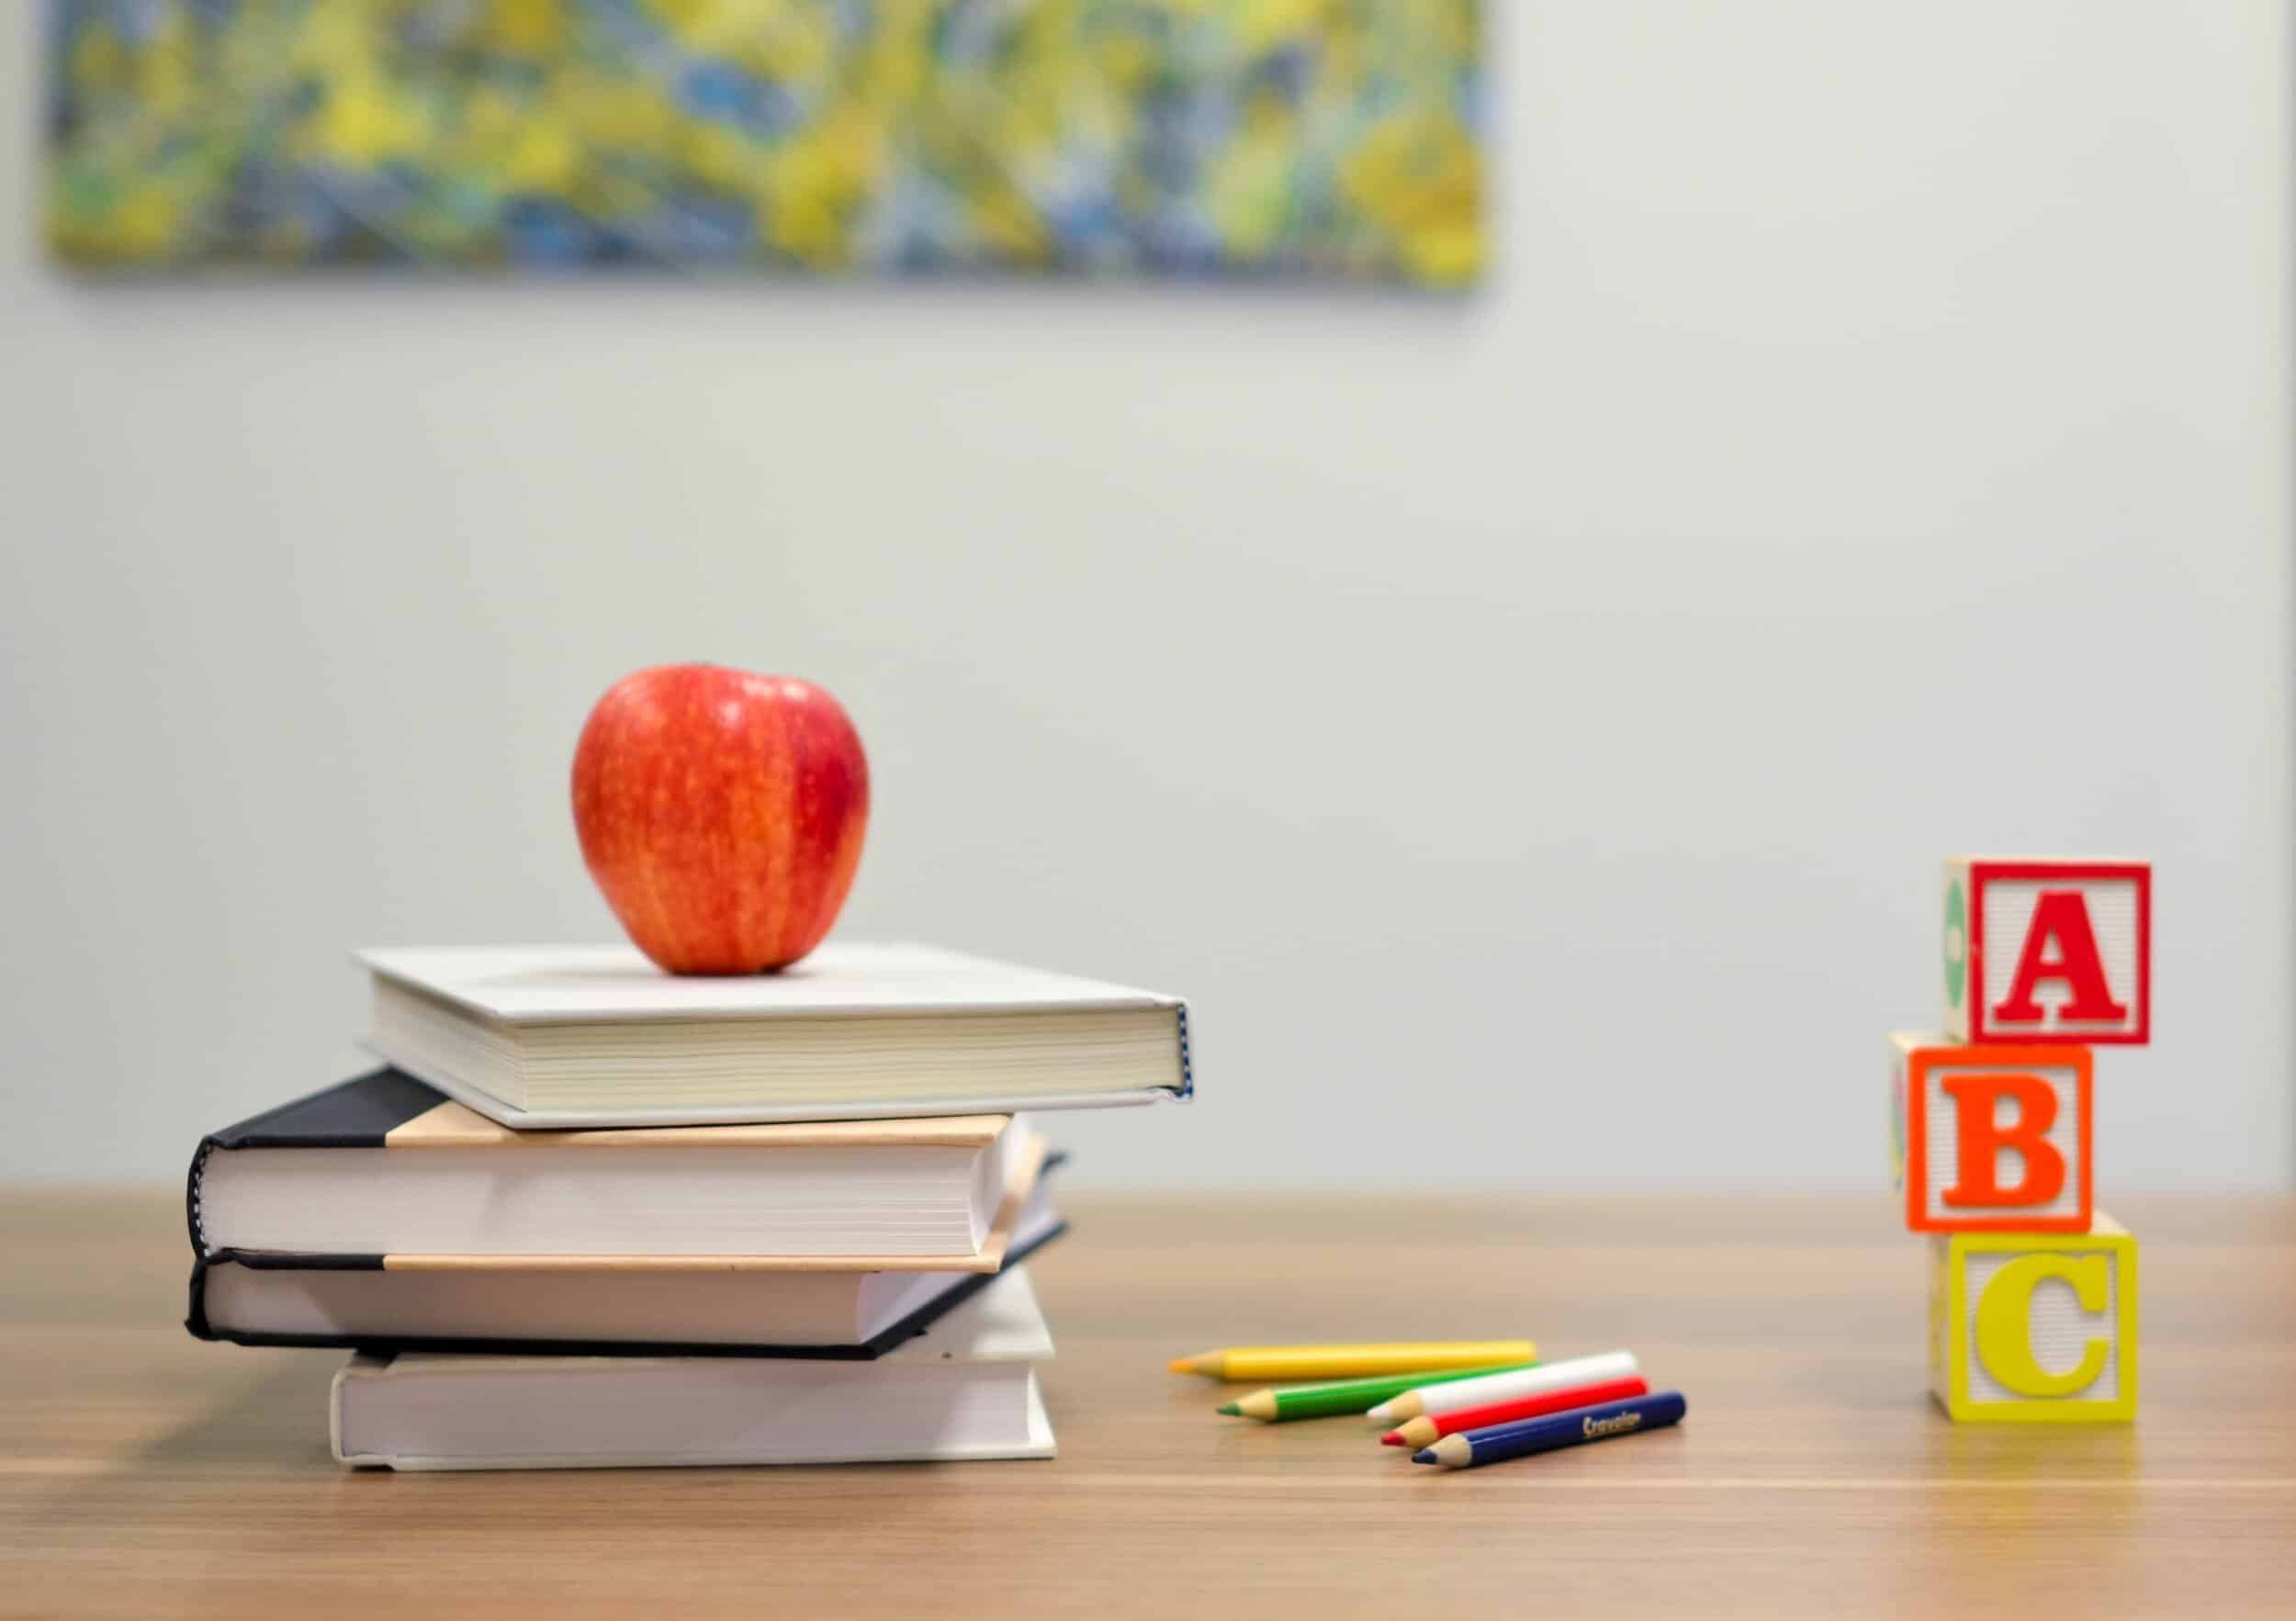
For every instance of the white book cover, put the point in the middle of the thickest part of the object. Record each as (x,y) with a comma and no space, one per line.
(965,1389)
(565,984)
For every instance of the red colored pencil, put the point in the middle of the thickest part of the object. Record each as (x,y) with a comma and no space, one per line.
(1426,1430)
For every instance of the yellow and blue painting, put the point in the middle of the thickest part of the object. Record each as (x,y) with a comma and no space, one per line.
(1169,138)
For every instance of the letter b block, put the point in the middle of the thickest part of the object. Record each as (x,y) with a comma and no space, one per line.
(2034,1328)
(1993,1139)
(2051,952)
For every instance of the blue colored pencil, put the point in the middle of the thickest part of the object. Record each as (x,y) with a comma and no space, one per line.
(1552,1430)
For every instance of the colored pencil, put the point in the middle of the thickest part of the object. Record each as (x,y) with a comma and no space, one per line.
(1352,1395)
(1421,1432)
(1500,1442)
(1337,1362)
(1504,1387)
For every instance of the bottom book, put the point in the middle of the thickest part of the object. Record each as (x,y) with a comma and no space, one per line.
(965,1389)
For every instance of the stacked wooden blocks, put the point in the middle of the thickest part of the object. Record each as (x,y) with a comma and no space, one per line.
(2033,1289)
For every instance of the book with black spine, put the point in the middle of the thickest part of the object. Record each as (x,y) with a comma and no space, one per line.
(364,1303)
(385,1166)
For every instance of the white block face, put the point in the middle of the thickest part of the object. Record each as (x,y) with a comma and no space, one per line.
(2058,1331)
(2041,1002)
(1940,1140)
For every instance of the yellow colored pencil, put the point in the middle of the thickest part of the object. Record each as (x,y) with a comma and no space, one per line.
(1322,1362)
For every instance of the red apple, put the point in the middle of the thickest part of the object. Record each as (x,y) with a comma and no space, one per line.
(721,812)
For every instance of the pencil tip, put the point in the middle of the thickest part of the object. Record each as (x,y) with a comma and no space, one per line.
(1231,1410)
(1425,1454)
(1393,1438)
(1180,1364)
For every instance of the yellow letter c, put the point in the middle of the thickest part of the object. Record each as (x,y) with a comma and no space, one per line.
(2004,1322)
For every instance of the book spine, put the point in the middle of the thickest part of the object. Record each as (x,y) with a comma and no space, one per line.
(192,1180)
(196,1309)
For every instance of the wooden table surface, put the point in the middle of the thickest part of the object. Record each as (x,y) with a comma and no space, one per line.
(141,1473)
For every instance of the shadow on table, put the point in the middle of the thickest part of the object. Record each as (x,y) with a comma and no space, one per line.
(278,1418)
(264,1434)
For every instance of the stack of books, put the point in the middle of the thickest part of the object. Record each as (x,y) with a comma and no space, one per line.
(591,1214)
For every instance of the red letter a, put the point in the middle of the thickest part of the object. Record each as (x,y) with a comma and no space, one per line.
(2062,916)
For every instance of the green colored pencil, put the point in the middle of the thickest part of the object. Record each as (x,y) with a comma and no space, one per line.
(1347,1395)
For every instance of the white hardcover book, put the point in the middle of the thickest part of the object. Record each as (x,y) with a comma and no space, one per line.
(965,1389)
(584,1036)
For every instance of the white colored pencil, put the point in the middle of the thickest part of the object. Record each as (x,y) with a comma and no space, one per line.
(1458,1394)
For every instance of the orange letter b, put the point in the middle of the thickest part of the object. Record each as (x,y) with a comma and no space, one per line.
(1981,1136)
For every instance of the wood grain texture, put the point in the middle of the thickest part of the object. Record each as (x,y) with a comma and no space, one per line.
(145,1473)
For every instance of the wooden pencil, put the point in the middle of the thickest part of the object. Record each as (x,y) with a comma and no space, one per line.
(1352,1395)
(1423,1430)
(1337,1362)
(1501,1387)
(1582,1424)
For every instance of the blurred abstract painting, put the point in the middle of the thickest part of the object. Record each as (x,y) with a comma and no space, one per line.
(1169,138)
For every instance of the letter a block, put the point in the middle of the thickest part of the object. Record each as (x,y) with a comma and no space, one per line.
(2052,952)
(2034,1328)
(1993,1139)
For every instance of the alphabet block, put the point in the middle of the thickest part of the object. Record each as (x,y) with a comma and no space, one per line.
(2034,1328)
(2049,951)
(1993,1139)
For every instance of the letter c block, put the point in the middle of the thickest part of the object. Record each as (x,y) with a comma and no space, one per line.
(2034,1328)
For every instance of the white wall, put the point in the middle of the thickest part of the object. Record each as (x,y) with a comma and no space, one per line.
(1528,727)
